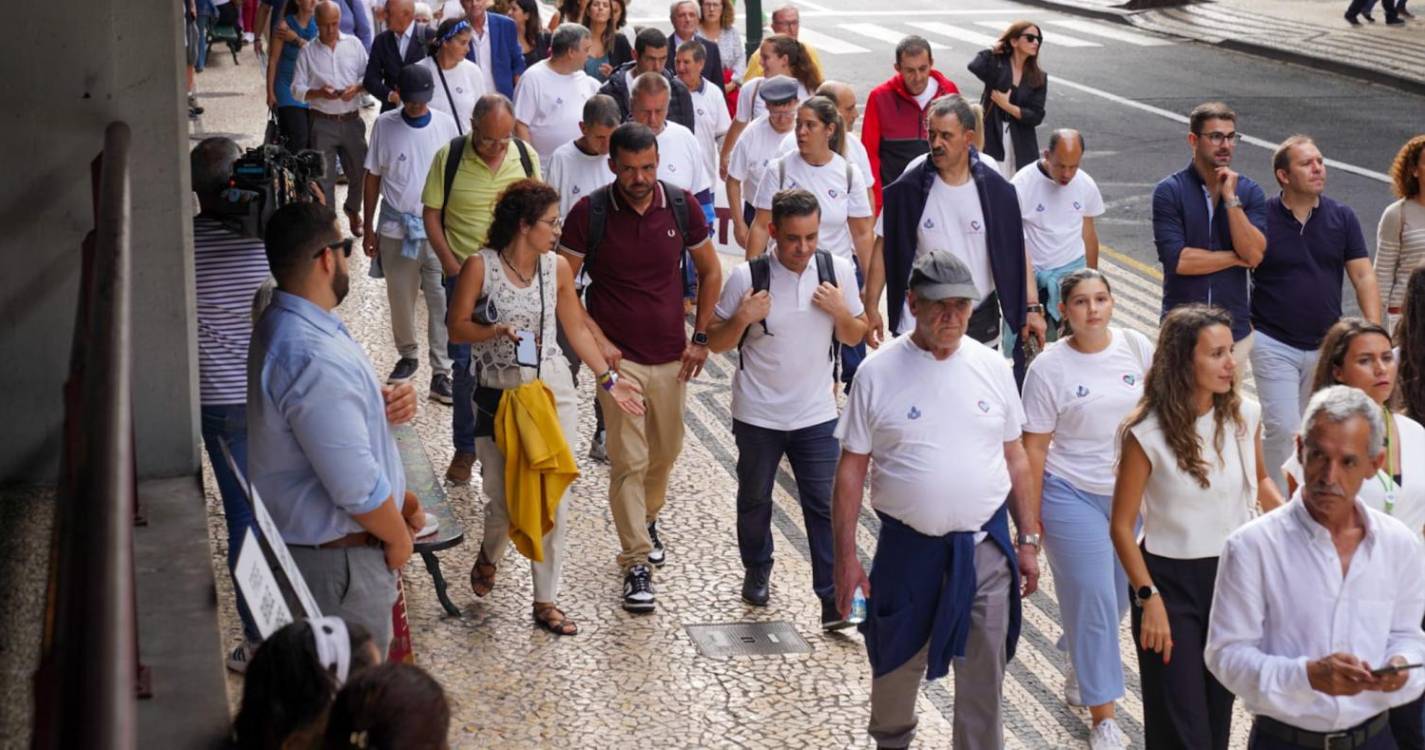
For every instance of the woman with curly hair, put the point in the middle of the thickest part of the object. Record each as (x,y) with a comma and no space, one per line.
(1191,462)
(507,301)
(1410,338)
(1015,91)
(1400,237)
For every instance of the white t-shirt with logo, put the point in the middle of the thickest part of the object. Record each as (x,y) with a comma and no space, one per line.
(785,378)
(829,184)
(855,151)
(551,105)
(466,84)
(711,120)
(750,105)
(1054,214)
(576,174)
(758,145)
(401,156)
(935,431)
(1082,399)
(680,159)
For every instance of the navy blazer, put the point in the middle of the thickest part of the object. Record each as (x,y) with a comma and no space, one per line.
(506,57)
(712,62)
(383,68)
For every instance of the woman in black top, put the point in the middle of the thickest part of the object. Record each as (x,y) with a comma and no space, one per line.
(1015,89)
(533,39)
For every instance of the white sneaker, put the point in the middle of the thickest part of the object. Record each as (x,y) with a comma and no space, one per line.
(1071,689)
(241,657)
(1107,736)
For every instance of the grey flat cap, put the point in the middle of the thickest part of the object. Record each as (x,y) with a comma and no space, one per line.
(778,89)
(939,275)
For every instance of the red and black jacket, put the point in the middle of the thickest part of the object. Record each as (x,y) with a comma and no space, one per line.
(893,130)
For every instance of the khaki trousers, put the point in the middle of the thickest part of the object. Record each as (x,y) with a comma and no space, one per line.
(641,454)
(405,278)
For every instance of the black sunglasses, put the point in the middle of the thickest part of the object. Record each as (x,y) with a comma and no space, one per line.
(1036,38)
(343,245)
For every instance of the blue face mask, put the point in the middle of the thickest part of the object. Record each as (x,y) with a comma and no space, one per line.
(416,122)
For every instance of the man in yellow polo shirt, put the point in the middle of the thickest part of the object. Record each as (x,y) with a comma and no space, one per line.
(785,20)
(491,160)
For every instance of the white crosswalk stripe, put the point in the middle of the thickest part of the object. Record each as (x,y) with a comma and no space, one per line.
(829,44)
(954,32)
(1109,32)
(883,33)
(1059,39)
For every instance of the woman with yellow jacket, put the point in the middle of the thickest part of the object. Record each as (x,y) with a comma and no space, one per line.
(506,303)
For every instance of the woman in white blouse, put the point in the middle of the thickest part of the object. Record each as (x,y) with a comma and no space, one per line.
(1191,462)
(458,83)
(1076,394)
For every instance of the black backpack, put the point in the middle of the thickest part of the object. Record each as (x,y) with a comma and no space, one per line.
(761,268)
(452,165)
(599,217)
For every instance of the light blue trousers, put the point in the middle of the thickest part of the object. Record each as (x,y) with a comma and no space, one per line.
(1091,584)
(1283,373)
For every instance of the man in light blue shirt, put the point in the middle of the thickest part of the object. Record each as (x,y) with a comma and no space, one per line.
(320,450)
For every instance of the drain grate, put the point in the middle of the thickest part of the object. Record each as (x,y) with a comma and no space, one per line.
(723,640)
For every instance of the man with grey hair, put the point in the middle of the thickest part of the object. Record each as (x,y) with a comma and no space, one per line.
(786,19)
(550,95)
(680,159)
(955,202)
(936,419)
(1316,617)
(651,53)
(685,15)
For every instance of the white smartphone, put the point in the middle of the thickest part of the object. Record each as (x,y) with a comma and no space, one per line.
(526,353)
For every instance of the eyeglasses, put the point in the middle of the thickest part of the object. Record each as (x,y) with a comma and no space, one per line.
(1217,139)
(343,245)
(556,224)
(1035,38)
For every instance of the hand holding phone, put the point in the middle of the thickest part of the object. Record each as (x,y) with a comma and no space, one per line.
(526,352)
(1390,669)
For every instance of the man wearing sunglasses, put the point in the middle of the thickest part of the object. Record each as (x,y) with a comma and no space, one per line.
(320,449)
(1209,224)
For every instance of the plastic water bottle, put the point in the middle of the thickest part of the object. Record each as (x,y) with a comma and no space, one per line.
(858,607)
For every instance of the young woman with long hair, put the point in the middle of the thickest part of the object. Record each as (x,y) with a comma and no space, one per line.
(609,49)
(297,28)
(533,39)
(1015,91)
(1076,395)
(1191,466)
(528,287)
(717,25)
(1410,338)
(458,82)
(567,11)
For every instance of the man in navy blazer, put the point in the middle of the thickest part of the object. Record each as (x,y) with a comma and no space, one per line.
(402,43)
(684,15)
(495,47)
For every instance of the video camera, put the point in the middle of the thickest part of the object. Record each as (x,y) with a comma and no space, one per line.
(267,178)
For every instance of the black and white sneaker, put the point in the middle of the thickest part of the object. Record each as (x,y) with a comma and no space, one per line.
(659,555)
(442,390)
(638,589)
(404,370)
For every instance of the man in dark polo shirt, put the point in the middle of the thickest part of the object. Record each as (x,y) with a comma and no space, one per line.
(1312,241)
(1210,224)
(635,302)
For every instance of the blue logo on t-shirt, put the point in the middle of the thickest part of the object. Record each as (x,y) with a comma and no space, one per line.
(832,192)
(914,413)
(672,167)
(929,224)
(1078,206)
(576,189)
(984,406)
(1130,379)
(559,100)
(1039,208)
(402,157)
(1081,392)
(975,225)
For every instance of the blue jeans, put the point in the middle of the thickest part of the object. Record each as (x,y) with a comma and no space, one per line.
(812,452)
(204,23)
(229,422)
(1091,586)
(1284,375)
(463,412)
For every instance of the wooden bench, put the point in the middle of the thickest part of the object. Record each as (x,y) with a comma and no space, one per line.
(423,481)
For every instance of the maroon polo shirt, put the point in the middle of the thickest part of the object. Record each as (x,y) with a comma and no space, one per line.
(637,292)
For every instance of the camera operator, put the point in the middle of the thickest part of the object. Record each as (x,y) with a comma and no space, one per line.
(229,267)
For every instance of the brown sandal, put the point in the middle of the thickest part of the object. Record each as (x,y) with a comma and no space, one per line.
(551,618)
(482,576)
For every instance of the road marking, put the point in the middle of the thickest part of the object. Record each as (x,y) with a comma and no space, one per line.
(811,6)
(1126,260)
(955,32)
(1060,39)
(1110,32)
(742,19)
(829,44)
(883,33)
(1175,117)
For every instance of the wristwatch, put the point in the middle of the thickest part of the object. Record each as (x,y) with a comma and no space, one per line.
(700,338)
(1035,308)
(1233,202)
(608,380)
(1143,594)
(1030,539)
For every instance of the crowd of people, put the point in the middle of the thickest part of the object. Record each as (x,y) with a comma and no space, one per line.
(550,191)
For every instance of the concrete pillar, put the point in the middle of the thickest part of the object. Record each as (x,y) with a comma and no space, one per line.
(78,65)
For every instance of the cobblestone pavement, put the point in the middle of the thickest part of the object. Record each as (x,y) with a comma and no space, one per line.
(633,680)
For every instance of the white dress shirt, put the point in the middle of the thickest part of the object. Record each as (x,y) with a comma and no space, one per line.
(1281,601)
(338,67)
(403,41)
(480,42)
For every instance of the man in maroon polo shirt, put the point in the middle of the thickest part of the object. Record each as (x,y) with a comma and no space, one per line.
(635,302)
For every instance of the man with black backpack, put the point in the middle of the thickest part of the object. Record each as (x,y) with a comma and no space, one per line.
(630,237)
(787,311)
(458,206)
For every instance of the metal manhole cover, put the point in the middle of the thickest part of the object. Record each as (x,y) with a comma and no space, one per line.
(723,640)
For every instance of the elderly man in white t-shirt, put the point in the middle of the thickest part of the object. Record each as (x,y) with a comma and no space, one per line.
(551,93)
(1317,607)
(787,311)
(936,417)
(709,103)
(403,143)
(1058,202)
(680,157)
